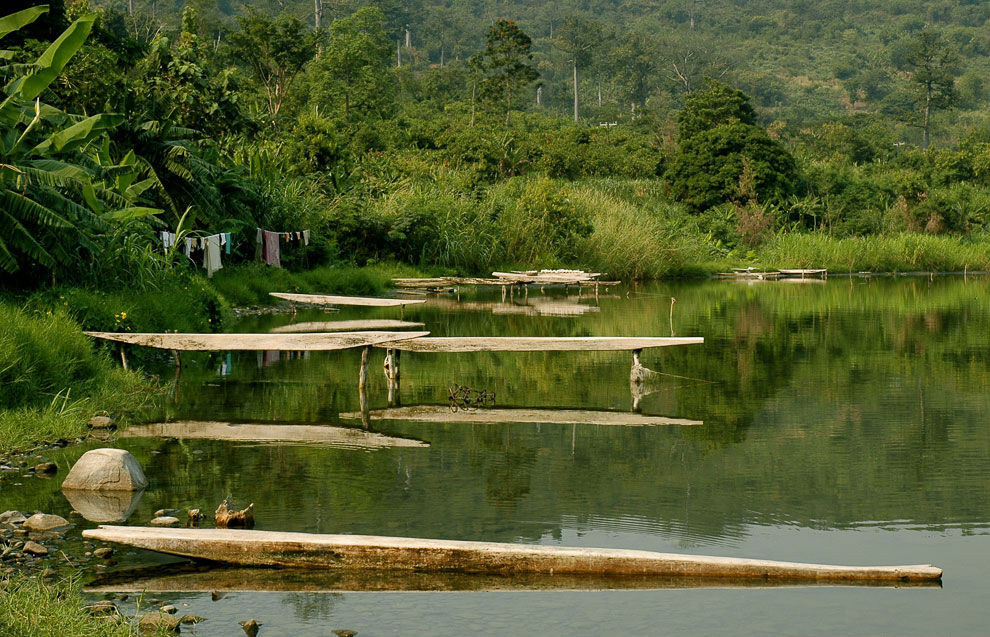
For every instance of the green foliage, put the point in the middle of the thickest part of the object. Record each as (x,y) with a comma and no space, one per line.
(718,105)
(351,78)
(249,285)
(504,65)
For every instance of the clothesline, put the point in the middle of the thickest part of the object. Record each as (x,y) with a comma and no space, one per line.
(210,245)
(270,246)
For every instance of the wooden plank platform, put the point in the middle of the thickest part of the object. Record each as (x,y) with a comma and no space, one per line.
(253,342)
(364,552)
(499,415)
(538,343)
(344,326)
(437,283)
(323,299)
(804,273)
(324,435)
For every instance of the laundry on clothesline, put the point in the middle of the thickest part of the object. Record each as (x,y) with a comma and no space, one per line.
(269,241)
(210,245)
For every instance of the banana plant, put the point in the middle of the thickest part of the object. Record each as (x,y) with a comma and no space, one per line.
(57,193)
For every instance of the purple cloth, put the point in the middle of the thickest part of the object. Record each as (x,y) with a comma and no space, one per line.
(270,251)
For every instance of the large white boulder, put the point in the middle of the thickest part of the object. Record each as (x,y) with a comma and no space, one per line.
(106,469)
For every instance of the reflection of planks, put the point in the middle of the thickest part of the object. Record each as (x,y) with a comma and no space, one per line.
(533,306)
(193,578)
(821,273)
(254,342)
(323,299)
(270,548)
(539,343)
(345,326)
(747,274)
(498,415)
(344,437)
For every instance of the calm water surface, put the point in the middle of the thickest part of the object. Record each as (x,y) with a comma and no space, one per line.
(843,422)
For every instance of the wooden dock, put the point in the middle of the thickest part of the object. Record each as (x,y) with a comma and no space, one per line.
(320,435)
(256,342)
(815,273)
(501,415)
(323,299)
(459,344)
(364,552)
(344,326)
(510,279)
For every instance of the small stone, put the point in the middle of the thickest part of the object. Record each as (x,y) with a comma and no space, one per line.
(45,522)
(165,520)
(10,518)
(49,573)
(170,609)
(343,632)
(101,608)
(250,627)
(46,468)
(216,596)
(104,553)
(75,514)
(160,513)
(191,619)
(156,621)
(102,422)
(33,548)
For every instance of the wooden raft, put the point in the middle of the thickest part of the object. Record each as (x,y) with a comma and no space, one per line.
(499,415)
(306,550)
(323,299)
(539,343)
(283,342)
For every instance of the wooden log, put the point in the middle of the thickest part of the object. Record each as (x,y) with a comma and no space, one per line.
(254,342)
(344,326)
(323,299)
(500,415)
(305,550)
(322,435)
(539,343)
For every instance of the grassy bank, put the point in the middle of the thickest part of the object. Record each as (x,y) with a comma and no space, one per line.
(30,606)
(52,379)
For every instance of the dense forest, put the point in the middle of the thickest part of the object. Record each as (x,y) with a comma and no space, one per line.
(642,139)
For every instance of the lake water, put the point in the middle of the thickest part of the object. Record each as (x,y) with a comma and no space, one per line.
(845,422)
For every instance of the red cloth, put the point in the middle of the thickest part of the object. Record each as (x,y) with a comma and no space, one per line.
(270,250)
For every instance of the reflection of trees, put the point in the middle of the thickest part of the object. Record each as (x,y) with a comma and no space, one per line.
(310,606)
(831,405)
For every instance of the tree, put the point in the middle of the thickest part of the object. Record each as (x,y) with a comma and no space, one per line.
(276,50)
(632,65)
(352,74)
(720,144)
(932,62)
(580,38)
(717,105)
(505,64)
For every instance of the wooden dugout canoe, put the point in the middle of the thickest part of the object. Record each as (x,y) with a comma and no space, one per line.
(539,343)
(366,552)
(253,342)
(324,299)
(326,435)
(344,326)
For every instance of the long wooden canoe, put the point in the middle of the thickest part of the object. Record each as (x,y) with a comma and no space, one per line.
(323,299)
(538,343)
(283,342)
(327,435)
(306,550)
(498,415)
(203,578)
(344,326)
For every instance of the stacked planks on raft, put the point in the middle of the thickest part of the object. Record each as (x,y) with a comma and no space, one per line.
(517,277)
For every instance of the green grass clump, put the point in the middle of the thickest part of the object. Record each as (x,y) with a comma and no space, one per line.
(52,379)
(33,607)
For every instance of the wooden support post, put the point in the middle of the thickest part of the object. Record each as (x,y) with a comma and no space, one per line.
(178,358)
(123,356)
(362,382)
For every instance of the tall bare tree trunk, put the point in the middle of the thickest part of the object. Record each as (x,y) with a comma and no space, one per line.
(575,91)
(130,8)
(928,114)
(398,53)
(474,90)
(408,38)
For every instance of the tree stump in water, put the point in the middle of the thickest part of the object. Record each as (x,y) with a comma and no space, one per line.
(228,517)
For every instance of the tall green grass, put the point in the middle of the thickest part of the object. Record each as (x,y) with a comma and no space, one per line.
(40,609)
(52,379)
(908,252)
(249,285)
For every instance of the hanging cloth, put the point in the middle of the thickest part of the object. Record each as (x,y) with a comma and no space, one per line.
(305,237)
(271,249)
(211,255)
